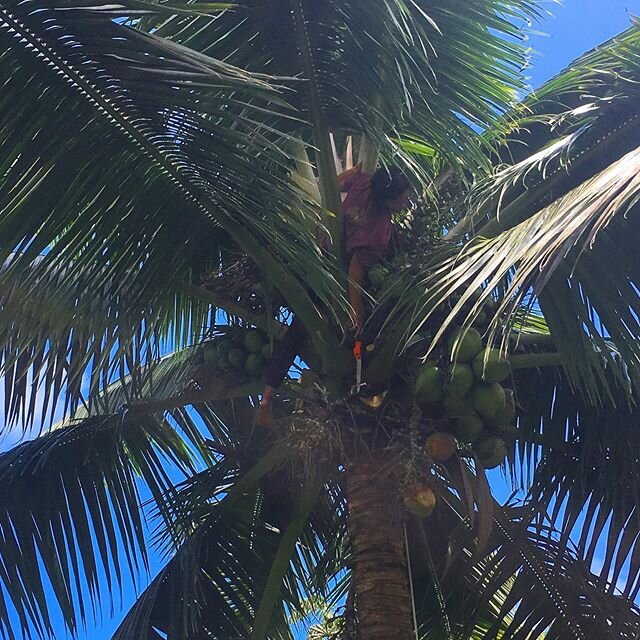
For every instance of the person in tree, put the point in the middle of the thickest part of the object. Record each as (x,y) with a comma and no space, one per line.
(370,202)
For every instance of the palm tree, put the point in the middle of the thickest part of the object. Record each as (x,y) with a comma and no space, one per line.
(159,199)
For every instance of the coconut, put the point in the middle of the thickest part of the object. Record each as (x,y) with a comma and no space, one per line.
(505,416)
(224,346)
(266,351)
(419,500)
(460,380)
(440,446)
(482,319)
(223,364)
(491,451)
(488,399)
(467,344)
(253,341)
(457,406)
(237,357)
(377,276)
(210,354)
(468,428)
(496,369)
(429,384)
(253,364)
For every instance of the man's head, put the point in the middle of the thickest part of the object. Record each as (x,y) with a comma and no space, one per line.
(391,188)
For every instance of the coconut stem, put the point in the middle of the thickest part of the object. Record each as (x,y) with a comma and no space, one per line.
(532,338)
(535,360)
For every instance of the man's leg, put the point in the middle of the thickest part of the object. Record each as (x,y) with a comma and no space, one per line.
(356,280)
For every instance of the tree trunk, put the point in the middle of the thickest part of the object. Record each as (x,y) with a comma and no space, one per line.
(382,596)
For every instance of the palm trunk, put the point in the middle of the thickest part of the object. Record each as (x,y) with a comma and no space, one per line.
(382,596)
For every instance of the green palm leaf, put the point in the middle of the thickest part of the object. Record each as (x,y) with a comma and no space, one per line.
(427,64)
(581,463)
(527,586)
(541,232)
(232,533)
(71,515)
(181,181)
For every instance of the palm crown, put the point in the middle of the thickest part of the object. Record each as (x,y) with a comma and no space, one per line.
(163,175)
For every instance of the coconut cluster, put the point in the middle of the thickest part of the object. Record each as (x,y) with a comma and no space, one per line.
(241,282)
(465,395)
(241,351)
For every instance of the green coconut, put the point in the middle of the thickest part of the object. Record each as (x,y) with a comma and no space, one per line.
(440,446)
(457,406)
(505,416)
(460,380)
(224,346)
(491,451)
(488,399)
(253,364)
(223,364)
(429,383)
(496,369)
(253,341)
(468,428)
(467,344)
(265,352)
(237,357)
(482,319)
(210,354)
(420,500)
(377,276)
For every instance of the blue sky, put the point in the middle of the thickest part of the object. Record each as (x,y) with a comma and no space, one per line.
(578,25)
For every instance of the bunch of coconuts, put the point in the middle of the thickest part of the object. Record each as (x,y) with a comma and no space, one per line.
(466,393)
(468,403)
(241,351)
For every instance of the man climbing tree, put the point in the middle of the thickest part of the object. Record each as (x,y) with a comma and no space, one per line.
(370,202)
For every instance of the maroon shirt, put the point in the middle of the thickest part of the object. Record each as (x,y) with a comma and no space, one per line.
(367,225)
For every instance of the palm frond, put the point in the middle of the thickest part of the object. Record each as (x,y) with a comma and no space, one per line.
(580,464)
(565,132)
(527,586)
(554,258)
(114,112)
(71,516)
(59,363)
(217,580)
(433,69)
(572,152)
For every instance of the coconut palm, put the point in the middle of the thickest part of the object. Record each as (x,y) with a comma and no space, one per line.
(165,171)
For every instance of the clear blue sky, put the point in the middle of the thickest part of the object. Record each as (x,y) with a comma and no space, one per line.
(578,25)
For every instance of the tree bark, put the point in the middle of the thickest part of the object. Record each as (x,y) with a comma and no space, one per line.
(376,516)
